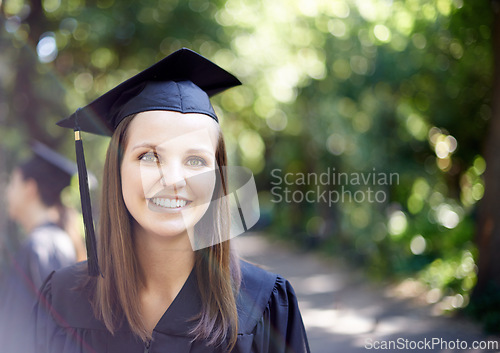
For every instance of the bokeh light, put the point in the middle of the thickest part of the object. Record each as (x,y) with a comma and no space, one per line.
(47,48)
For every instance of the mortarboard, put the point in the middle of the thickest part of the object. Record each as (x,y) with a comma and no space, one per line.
(56,160)
(51,170)
(181,82)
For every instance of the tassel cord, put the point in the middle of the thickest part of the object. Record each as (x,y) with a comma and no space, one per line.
(90,238)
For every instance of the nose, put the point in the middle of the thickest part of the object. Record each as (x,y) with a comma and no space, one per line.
(172,175)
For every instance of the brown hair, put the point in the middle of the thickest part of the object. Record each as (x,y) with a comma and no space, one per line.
(116,295)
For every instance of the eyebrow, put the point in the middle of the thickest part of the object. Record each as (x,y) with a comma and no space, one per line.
(199,150)
(144,145)
(155,147)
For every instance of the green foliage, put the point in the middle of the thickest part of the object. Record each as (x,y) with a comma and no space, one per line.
(368,87)
(486,308)
(387,87)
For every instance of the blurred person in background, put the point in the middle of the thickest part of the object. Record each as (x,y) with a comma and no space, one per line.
(53,240)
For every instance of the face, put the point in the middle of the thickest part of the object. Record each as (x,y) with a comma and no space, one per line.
(17,191)
(168,171)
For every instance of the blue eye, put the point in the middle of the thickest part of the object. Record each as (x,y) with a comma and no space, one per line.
(149,157)
(196,162)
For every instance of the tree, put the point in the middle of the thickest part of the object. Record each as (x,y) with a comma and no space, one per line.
(486,297)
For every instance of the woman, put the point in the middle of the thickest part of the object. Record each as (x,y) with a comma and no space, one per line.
(164,192)
(53,241)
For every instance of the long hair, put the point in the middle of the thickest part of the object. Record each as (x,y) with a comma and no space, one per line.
(116,295)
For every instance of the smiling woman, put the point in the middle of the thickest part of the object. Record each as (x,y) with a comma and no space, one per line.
(166,280)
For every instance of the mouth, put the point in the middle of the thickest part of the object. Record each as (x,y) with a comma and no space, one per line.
(169,203)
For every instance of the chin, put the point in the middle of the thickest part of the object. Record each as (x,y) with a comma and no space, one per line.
(167,231)
(171,229)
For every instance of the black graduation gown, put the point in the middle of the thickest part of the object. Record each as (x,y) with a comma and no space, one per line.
(268,316)
(47,248)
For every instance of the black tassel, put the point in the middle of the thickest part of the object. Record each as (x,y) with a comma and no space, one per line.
(90,239)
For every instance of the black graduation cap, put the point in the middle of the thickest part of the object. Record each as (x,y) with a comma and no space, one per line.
(51,171)
(181,82)
(60,163)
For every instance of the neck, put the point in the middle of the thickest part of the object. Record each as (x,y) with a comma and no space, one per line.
(165,263)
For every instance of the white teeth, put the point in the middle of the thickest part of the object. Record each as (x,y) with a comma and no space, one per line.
(168,203)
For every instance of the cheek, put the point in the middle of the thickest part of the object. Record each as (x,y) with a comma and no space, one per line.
(14,188)
(131,182)
(15,197)
(11,200)
(203,185)
(10,192)
(139,180)
(149,178)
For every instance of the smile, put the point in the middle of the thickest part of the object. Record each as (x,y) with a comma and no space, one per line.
(168,203)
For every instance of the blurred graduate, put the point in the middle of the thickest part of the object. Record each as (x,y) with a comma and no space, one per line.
(53,240)
(161,275)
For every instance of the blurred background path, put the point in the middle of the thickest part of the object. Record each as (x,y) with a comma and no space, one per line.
(344,312)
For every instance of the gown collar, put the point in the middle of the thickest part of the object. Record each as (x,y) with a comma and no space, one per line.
(178,318)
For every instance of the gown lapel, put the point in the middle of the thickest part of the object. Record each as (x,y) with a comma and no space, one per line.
(174,326)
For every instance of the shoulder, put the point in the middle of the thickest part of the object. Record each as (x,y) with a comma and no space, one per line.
(65,282)
(261,283)
(50,238)
(255,278)
(67,299)
(46,233)
(261,291)
(269,314)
